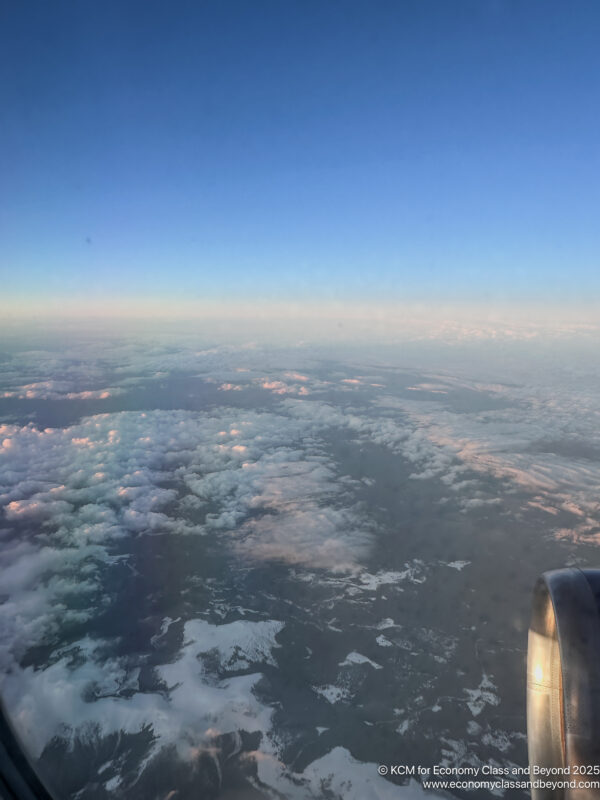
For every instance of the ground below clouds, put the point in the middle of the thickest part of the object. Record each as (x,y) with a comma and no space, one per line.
(238,573)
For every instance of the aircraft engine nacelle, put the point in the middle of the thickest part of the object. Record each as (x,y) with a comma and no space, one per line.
(563,684)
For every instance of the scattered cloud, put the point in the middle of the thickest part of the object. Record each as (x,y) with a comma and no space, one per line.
(59,390)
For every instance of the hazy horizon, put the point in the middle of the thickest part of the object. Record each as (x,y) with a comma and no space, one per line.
(417,153)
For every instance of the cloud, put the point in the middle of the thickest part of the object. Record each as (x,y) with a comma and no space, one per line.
(296,376)
(251,478)
(262,488)
(281,387)
(464,449)
(305,533)
(230,387)
(59,390)
(259,481)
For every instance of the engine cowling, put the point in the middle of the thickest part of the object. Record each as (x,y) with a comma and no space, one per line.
(563,683)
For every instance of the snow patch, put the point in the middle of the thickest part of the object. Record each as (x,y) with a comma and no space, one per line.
(357,658)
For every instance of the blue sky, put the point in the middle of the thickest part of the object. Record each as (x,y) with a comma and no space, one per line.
(263,150)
